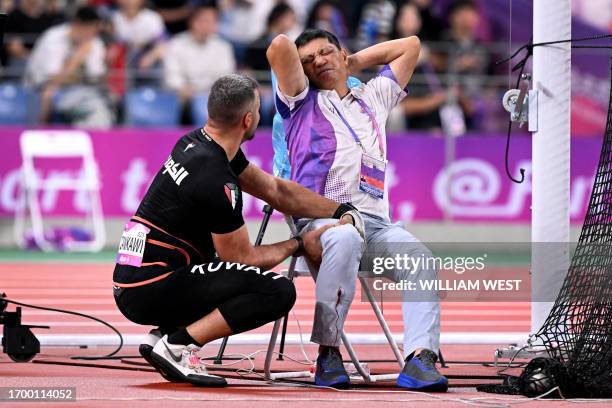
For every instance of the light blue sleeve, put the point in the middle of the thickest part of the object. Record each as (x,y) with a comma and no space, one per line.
(281,166)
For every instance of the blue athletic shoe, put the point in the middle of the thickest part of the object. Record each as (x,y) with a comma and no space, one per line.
(330,370)
(420,373)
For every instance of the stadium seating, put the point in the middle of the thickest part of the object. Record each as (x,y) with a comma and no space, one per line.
(150,107)
(18,106)
(199,112)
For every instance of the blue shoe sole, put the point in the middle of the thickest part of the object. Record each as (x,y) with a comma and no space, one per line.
(405,381)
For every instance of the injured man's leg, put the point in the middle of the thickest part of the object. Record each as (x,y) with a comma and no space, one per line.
(335,289)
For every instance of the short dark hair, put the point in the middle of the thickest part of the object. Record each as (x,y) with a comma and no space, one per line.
(460,5)
(277,12)
(231,96)
(86,15)
(314,33)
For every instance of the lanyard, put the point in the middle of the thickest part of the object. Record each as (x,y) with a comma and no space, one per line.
(368,112)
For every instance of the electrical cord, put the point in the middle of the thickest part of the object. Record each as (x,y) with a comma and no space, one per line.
(51,309)
(308,359)
(484,401)
(113,355)
(521,66)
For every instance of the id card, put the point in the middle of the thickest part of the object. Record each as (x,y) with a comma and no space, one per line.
(372,176)
(132,245)
(453,122)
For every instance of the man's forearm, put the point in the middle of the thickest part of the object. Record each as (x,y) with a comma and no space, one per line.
(282,54)
(381,53)
(268,256)
(70,68)
(296,200)
(236,247)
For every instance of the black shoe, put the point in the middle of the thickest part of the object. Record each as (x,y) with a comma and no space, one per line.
(420,373)
(145,349)
(330,370)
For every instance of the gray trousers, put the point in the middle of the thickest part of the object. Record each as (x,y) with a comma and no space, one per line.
(343,249)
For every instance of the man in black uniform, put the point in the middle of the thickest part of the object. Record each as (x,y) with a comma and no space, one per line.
(185,262)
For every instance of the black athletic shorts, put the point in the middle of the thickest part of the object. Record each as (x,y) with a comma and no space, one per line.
(246,296)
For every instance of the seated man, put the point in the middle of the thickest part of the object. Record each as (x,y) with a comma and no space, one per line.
(167,274)
(194,59)
(337,147)
(67,66)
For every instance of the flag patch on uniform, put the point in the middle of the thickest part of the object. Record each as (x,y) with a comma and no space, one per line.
(231,191)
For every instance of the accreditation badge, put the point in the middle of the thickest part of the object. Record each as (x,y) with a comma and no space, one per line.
(372,176)
(132,245)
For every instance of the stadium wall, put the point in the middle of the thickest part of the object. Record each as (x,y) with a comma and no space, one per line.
(467,198)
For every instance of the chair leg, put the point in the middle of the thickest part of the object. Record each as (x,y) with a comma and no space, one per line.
(355,359)
(270,352)
(441,358)
(281,349)
(267,210)
(290,276)
(274,335)
(383,324)
(219,358)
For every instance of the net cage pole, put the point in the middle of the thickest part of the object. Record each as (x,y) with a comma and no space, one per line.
(550,231)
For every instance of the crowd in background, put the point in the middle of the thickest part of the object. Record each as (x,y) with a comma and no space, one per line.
(83,56)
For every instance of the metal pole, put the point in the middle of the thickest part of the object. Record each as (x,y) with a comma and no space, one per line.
(551,156)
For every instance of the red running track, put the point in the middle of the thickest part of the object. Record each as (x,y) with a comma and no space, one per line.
(86,288)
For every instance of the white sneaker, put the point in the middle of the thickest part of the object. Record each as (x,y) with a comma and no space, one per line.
(183,362)
(146,348)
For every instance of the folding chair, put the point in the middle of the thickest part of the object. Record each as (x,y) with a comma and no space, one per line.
(37,144)
(267,210)
(294,272)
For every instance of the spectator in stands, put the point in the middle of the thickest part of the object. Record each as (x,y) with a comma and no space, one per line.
(467,56)
(6,6)
(196,58)
(330,16)
(376,23)
(466,61)
(242,22)
(101,3)
(142,32)
(420,108)
(432,25)
(24,24)
(281,20)
(301,9)
(69,7)
(353,12)
(67,64)
(175,14)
